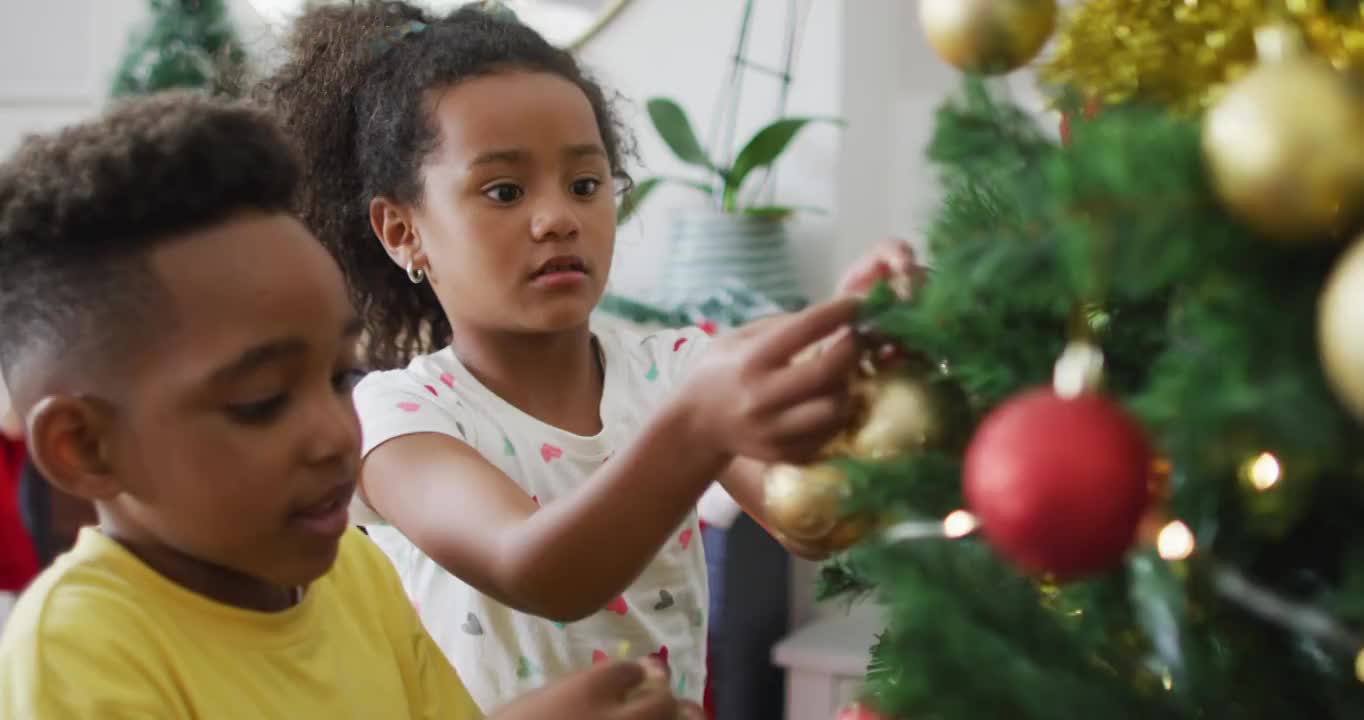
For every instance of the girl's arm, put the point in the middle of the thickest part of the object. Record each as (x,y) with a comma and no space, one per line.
(569,559)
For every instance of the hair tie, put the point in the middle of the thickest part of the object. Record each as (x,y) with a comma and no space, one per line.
(381,45)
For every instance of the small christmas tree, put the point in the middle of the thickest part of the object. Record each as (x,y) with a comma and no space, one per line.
(188,44)
(1150,333)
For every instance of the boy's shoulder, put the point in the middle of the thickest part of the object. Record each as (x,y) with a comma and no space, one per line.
(86,591)
(82,619)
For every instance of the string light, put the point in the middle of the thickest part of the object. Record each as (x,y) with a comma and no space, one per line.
(1175,541)
(1263,472)
(959,524)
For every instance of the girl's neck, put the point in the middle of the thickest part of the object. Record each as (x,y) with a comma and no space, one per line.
(556,377)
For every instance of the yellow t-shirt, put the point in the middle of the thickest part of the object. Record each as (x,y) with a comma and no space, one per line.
(101,635)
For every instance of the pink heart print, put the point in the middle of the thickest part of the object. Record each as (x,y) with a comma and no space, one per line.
(431,390)
(685,538)
(448,379)
(549,452)
(678,345)
(598,657)
(409,407)
(618,605)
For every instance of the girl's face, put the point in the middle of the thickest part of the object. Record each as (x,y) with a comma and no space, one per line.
(517,219)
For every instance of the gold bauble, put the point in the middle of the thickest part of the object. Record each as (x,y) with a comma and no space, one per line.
(846,533)
(903,411)
(805,503)
(1285,149)
(988,36)
(1340,329)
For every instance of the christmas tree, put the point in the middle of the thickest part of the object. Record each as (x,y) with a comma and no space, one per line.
(188,44)
(1116,468)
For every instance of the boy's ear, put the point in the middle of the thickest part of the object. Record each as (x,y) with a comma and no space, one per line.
(69,439)
(392,224)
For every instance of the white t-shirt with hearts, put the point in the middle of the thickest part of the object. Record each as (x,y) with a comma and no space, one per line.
(501,653)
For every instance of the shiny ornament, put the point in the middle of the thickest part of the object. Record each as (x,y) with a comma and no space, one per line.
(904,410)
(1183,53)
(1340,329)
(845,534)
(805,503)
(860,711)
(1059,485)
(1285,149)
(988,36)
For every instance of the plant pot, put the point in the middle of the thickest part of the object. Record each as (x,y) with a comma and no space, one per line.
(709,252)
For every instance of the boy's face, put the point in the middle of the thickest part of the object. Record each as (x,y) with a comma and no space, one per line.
(235,442)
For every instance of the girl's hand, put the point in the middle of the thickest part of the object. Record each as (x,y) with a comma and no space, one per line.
(891,260)
(609,691)
(746,398)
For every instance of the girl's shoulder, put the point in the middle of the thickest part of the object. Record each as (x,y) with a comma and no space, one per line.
(426,374)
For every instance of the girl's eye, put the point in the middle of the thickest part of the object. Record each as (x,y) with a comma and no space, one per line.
(585,187)
(504,193)
(258,413)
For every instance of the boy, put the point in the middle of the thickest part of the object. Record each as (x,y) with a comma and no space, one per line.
(183,351)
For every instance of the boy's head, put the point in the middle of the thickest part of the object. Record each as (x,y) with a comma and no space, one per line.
(180,346)
(473,148)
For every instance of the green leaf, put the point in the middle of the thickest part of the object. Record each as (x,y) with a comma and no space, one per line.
(673,126)
(781,211)
(631,200)
(764,149)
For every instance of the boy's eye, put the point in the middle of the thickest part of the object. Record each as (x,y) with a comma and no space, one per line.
(586,187)
(504,193)
(258,413)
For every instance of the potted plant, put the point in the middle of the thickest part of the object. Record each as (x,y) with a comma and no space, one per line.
(737,239)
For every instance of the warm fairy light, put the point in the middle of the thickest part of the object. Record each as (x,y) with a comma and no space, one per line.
(1264,472)
(1175,541)
(1167,680)
(959,524)
(1359,666)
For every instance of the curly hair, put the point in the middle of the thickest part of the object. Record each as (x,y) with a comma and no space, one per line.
(353,96)
(81,208)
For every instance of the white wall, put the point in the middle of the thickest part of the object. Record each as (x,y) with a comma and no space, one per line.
(683,50)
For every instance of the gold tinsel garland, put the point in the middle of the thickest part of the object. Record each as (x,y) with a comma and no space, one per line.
(1181,53)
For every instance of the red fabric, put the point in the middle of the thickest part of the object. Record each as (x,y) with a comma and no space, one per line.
(708,700)
(18,559)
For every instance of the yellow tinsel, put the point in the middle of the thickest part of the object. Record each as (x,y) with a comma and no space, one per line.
(1181,53)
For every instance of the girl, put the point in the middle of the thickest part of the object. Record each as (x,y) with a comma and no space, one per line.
(536,480)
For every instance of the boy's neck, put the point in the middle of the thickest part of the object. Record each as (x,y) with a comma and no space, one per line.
(556,378)
(212,581)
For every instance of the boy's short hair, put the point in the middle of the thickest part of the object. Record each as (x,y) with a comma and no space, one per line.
(80,209)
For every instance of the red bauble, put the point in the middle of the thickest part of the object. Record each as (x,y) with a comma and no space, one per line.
(859,711)
(1059,484)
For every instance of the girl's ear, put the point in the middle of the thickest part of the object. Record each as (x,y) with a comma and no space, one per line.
(392,224)
(69,438)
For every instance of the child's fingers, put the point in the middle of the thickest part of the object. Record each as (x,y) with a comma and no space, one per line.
(690,711)
(614,679)
(801,432)
(783,338)
(823,373)
(651,703)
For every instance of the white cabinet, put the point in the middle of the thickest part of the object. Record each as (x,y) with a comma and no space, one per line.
(825,661)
